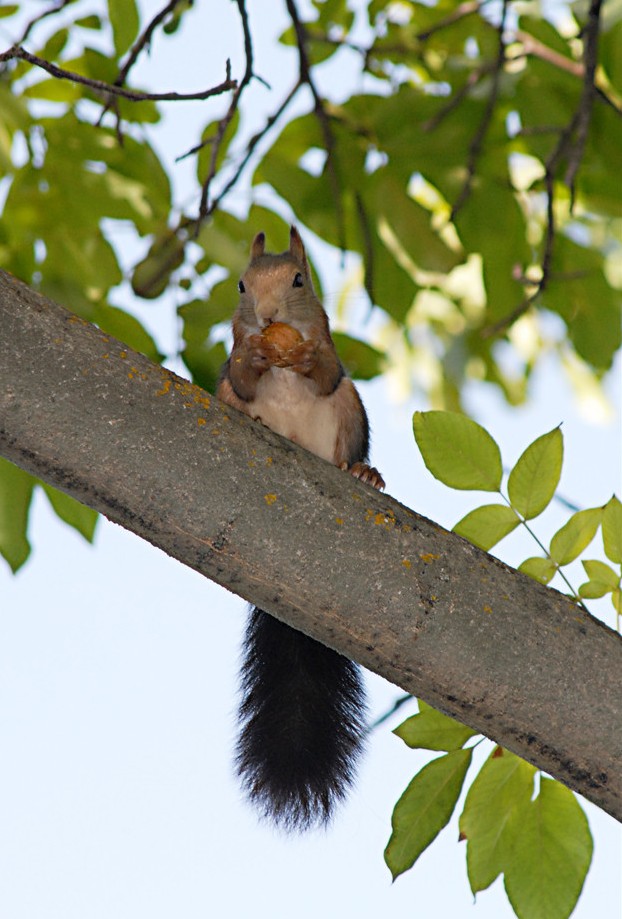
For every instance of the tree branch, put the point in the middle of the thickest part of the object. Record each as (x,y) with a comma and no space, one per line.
(349,566)
(134,95)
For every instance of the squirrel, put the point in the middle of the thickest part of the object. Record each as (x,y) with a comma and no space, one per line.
(302,713)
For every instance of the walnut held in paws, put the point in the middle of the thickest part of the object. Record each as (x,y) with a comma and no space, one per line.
(282,336)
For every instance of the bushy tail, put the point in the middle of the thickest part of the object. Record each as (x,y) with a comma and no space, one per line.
(302,724)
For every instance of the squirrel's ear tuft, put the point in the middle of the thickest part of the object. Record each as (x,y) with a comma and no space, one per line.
(258,246)
(297,249)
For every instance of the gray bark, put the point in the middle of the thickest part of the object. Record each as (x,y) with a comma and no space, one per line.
(350,566)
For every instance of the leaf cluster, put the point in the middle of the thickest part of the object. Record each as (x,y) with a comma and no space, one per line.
(540,842)
(469,176)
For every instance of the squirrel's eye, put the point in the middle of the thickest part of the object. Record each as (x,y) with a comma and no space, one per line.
(298,282)
(241,287)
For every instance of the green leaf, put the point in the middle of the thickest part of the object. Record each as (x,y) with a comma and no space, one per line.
(431,730)
(551,855)
(15,493)
(601,573)
(487,525)
(458,451)
(76,515)
(612,530)
(492,814)
(535,476)
(575,535)
(362,362)
(127,329)
(425,808)
(152,275)
(540,569)
(125,23)
(8,9)
(205,363)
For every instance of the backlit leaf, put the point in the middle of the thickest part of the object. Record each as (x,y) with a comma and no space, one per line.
(551,855)
(425,808)
(575,535)
(492,812)
(15,494)
(458,451)
(431,730)
(612,530)
(486,526)
(534,478)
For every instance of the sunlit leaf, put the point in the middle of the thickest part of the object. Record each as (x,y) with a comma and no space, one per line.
(612,530)
(431,730)
(458,451)
(425,808)
(125,22)
(492,815)
(540,569)
(575,535)
(551,855)
(486,526)
(534,478)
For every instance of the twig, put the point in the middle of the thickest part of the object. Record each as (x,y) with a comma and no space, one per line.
(394,708)
(477,142)
(51,11)
(584,113)
(134,95)
(578,129)
(332,165)
(205,208)
(141,42)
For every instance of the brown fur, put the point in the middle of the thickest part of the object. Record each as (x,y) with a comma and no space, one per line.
(307,397)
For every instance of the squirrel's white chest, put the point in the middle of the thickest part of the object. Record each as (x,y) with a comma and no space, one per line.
(288,404)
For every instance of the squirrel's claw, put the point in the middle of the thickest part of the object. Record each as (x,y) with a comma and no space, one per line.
(366,473)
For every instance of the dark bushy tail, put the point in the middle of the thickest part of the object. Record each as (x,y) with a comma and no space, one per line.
(302,724)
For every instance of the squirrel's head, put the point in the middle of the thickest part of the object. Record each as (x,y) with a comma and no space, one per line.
(276,287)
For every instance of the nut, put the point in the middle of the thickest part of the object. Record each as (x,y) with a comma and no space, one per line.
(282,336)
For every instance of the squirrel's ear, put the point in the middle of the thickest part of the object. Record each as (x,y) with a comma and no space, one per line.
(297,249)
(258,246)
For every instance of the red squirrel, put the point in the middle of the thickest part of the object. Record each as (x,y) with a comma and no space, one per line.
(302,714)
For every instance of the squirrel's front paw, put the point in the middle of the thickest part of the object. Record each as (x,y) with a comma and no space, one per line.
(262,353)
(302,358)
(367,474)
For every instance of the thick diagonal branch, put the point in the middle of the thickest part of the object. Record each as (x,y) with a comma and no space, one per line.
(349,566)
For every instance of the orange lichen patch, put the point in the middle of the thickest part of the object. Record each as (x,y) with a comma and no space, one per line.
(215,431)
(106,356)
(166,385)
(201,421)
(488,609)
(406,562)
(122,355)
(268,460)
(269,499)
(387,520)
(339,520)
(428,557)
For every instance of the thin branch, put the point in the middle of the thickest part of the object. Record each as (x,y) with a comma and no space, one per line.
(133,95)
(584,114)
(51,11)
(332,165)
(477,142)
(571,143)
(205,208)
(141,42)
(394,708)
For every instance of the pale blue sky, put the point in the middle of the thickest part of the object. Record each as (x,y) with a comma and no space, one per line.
(118,682)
